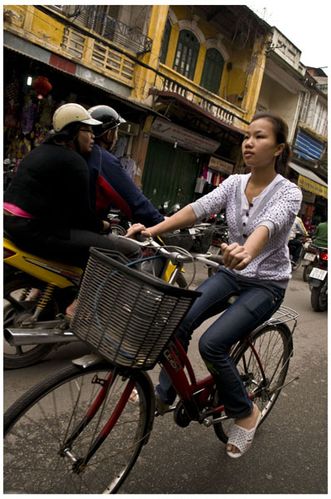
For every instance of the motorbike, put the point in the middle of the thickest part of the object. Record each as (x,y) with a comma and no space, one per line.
(309,260)
(318,282)
(118,223)
(167,210)
(297,250)
(37,292)
(220,235)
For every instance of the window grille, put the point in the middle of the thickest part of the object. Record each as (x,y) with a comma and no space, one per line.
(186,54)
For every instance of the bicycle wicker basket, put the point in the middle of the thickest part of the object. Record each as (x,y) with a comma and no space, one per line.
(126,315)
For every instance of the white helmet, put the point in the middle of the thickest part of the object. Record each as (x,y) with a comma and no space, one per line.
(71,113)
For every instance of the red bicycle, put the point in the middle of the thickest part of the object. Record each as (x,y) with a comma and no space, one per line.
(81,430)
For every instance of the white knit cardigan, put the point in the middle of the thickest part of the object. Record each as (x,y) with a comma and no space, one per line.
(276,210)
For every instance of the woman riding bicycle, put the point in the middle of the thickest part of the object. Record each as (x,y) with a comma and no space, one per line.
(260,209)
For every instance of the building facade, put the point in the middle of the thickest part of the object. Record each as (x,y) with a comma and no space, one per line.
(187,79)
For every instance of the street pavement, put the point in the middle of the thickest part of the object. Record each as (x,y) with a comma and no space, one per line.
(289,455)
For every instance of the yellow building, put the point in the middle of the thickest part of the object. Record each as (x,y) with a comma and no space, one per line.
(186,78)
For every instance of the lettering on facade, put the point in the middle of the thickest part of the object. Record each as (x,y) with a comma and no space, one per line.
(182,137)
(311,186)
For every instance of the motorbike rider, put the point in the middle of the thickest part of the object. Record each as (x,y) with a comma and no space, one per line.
(320,238)
(48,207)
(110,183)
(295,244)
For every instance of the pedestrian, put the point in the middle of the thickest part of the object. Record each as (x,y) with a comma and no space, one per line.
(260,208)
(110,184)
(48,209)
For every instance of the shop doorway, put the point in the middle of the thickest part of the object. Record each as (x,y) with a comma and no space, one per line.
(169,174)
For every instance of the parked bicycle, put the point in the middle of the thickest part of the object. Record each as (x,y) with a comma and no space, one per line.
(80,430)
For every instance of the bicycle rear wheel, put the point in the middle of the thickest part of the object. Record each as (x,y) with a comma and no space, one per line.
(263,364)
(36,458)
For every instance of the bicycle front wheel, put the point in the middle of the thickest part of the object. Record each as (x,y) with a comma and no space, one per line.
(262,363)
(49,432)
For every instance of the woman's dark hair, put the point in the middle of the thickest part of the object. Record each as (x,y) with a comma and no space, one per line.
(67,134)
(281,134)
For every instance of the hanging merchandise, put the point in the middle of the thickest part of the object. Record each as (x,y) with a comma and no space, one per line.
(120,146)
(28,115)
(46,109)
(199,186)
(42,86)
(129,165)
(11,104)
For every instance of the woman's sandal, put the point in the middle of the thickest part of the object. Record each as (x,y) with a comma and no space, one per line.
(134,397)
(241,438)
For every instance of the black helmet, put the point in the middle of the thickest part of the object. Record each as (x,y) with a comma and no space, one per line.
(108,116)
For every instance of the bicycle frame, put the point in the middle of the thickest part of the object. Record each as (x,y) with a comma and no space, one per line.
(193,393)
(197,395)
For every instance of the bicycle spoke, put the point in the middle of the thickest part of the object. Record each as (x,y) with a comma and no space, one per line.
(42,429)
(263,365)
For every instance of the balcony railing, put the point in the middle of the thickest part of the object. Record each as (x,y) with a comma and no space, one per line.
(93,17)
(212,108)
(70,43)
(98,55)
(216,106)
(128,36)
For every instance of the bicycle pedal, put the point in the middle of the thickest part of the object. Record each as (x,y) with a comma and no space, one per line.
(171,408)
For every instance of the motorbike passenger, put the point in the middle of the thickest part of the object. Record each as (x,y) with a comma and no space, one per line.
(260,208)
(110,183)
(48,206)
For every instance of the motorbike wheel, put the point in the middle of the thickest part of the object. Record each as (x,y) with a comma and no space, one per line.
(306,271)
(17,308)
(318,300)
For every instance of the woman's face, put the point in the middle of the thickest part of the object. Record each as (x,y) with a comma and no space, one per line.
(85,139)
(259,147)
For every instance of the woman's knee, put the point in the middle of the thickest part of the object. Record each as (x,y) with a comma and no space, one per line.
(208,348)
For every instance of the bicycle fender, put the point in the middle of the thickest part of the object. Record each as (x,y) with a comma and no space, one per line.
(87,360)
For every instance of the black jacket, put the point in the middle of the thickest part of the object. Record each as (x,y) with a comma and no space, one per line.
(52,184)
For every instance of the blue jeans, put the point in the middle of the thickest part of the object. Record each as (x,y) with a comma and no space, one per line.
(255,304)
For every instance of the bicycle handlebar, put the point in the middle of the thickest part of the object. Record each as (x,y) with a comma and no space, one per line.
(176,256)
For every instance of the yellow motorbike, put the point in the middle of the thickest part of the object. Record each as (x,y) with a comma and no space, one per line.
(37,292)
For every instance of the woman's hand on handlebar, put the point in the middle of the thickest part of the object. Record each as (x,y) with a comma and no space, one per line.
(136,229)
(235,256)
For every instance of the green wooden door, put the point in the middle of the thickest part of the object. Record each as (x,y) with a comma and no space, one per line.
(169,175)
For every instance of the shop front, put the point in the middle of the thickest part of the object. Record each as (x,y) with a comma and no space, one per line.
(189,154)
(32,92)
(315,194)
